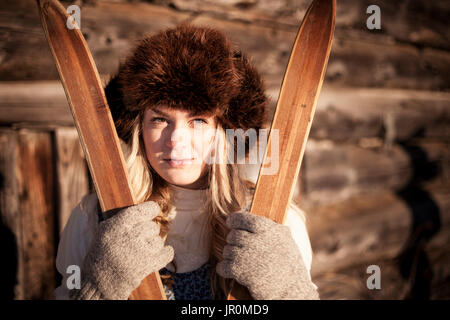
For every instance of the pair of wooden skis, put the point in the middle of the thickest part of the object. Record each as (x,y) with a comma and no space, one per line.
(293,117)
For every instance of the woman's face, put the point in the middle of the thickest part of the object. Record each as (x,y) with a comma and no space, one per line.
(179,145)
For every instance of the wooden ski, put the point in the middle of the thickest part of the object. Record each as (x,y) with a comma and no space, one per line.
(293,116)
(93,120)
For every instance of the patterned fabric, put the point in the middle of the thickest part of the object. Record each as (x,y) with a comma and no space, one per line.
(192,285)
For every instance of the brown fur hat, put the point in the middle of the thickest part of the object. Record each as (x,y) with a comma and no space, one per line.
(191,68)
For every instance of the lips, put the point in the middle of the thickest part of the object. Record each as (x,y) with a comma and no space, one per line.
(179,162)
(173,159)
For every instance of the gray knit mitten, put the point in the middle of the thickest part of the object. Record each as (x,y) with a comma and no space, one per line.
(127,247)
(262,255)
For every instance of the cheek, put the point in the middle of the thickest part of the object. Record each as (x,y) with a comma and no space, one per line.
(205,143)
(152,142)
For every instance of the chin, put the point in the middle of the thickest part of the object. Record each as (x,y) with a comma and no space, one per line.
(182,182)
(181,178)
(189,177)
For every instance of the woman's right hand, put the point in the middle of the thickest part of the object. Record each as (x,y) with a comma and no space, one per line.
(127,247)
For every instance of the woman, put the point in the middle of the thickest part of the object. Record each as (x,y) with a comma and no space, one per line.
(172,101)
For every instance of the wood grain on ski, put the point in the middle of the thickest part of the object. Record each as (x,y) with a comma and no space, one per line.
(293,116)
(93,120)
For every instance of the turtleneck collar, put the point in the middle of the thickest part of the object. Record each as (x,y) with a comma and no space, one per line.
(187,199)
(192,200)
(188,232)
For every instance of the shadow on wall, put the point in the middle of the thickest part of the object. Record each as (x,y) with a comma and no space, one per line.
(412,261)
(9,265)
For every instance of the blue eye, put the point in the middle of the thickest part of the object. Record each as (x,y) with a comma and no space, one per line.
(158,120)
(200,121)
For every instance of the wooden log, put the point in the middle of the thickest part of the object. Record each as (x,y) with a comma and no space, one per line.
(375,230)
(387,65)
(71,169)
(32,102)
(359,58)
(351,114)
(334,171)
(369,227)
(338,171)
(349,281)
(353,61)
(419,22)
(109,28)
(343,113)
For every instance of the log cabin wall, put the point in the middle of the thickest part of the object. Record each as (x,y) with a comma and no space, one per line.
(375,178)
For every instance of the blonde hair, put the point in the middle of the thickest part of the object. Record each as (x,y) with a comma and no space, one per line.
(227,192)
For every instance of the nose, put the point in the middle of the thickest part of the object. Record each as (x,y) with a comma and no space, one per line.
(178,138)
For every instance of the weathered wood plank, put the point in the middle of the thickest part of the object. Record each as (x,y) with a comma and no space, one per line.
(41,102)
(12,285)
(343,113)
(109,28)
(36,208)
(374,229)
(358,58)
(337,171)
(387,65)
(28,201)
(367,226)
(350,114)
(419,22)
(71,169)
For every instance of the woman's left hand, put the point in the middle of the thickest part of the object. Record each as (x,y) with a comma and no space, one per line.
(262,255)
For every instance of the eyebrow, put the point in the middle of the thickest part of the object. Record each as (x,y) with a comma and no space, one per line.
(191,114)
